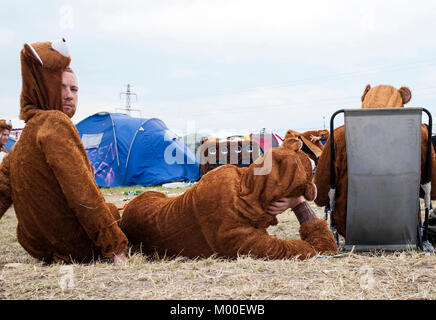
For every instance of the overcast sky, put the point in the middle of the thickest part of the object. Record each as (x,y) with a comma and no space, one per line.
(237,65)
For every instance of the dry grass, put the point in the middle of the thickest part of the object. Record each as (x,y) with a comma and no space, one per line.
(405,275)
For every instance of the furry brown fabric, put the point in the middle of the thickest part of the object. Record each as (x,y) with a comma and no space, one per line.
(383,96)
(224,213)
(62,215)
(5,125)
(315,148)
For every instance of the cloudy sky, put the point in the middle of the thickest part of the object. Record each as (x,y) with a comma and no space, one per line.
(231,65)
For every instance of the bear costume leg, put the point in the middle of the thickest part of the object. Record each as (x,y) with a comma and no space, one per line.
(313,230)
(317,233)
(38,252)
(83,252)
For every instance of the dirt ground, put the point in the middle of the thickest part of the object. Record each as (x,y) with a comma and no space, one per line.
(351,276)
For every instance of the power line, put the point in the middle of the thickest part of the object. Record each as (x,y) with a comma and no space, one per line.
(328,77)
(340,102)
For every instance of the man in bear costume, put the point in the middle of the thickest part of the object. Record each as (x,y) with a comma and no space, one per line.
(382,96)
(225,213)
(5,130)
(312,145)
(62,215)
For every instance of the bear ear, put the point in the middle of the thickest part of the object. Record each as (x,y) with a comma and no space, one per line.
(290,134)
(366,91)
(310,192)
(30,52)
(406,95)
(293,144)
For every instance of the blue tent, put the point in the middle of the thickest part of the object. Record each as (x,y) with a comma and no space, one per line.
(126,151)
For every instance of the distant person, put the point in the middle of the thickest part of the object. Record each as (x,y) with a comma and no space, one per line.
(5,130)
(62,215)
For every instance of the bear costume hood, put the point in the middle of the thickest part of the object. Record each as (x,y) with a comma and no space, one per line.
(290,175)
(385,96)
(42,65)
(5,124)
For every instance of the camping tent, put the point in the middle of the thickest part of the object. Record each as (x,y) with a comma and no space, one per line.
(126,151)
(193,140)
(266,140)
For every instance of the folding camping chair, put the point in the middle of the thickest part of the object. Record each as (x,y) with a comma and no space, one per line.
(384,170)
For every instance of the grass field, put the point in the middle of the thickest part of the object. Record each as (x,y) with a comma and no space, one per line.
(400,275)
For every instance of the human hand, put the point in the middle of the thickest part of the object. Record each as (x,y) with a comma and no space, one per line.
(119,258)
(314,138)
(283,204)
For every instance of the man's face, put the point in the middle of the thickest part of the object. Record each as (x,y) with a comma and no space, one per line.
(4,136)
(70,91)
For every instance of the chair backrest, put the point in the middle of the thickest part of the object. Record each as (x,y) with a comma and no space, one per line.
(384,170)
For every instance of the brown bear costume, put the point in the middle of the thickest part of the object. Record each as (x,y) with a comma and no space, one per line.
(224,213)
(62,215)
(312,149)
(382,96)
